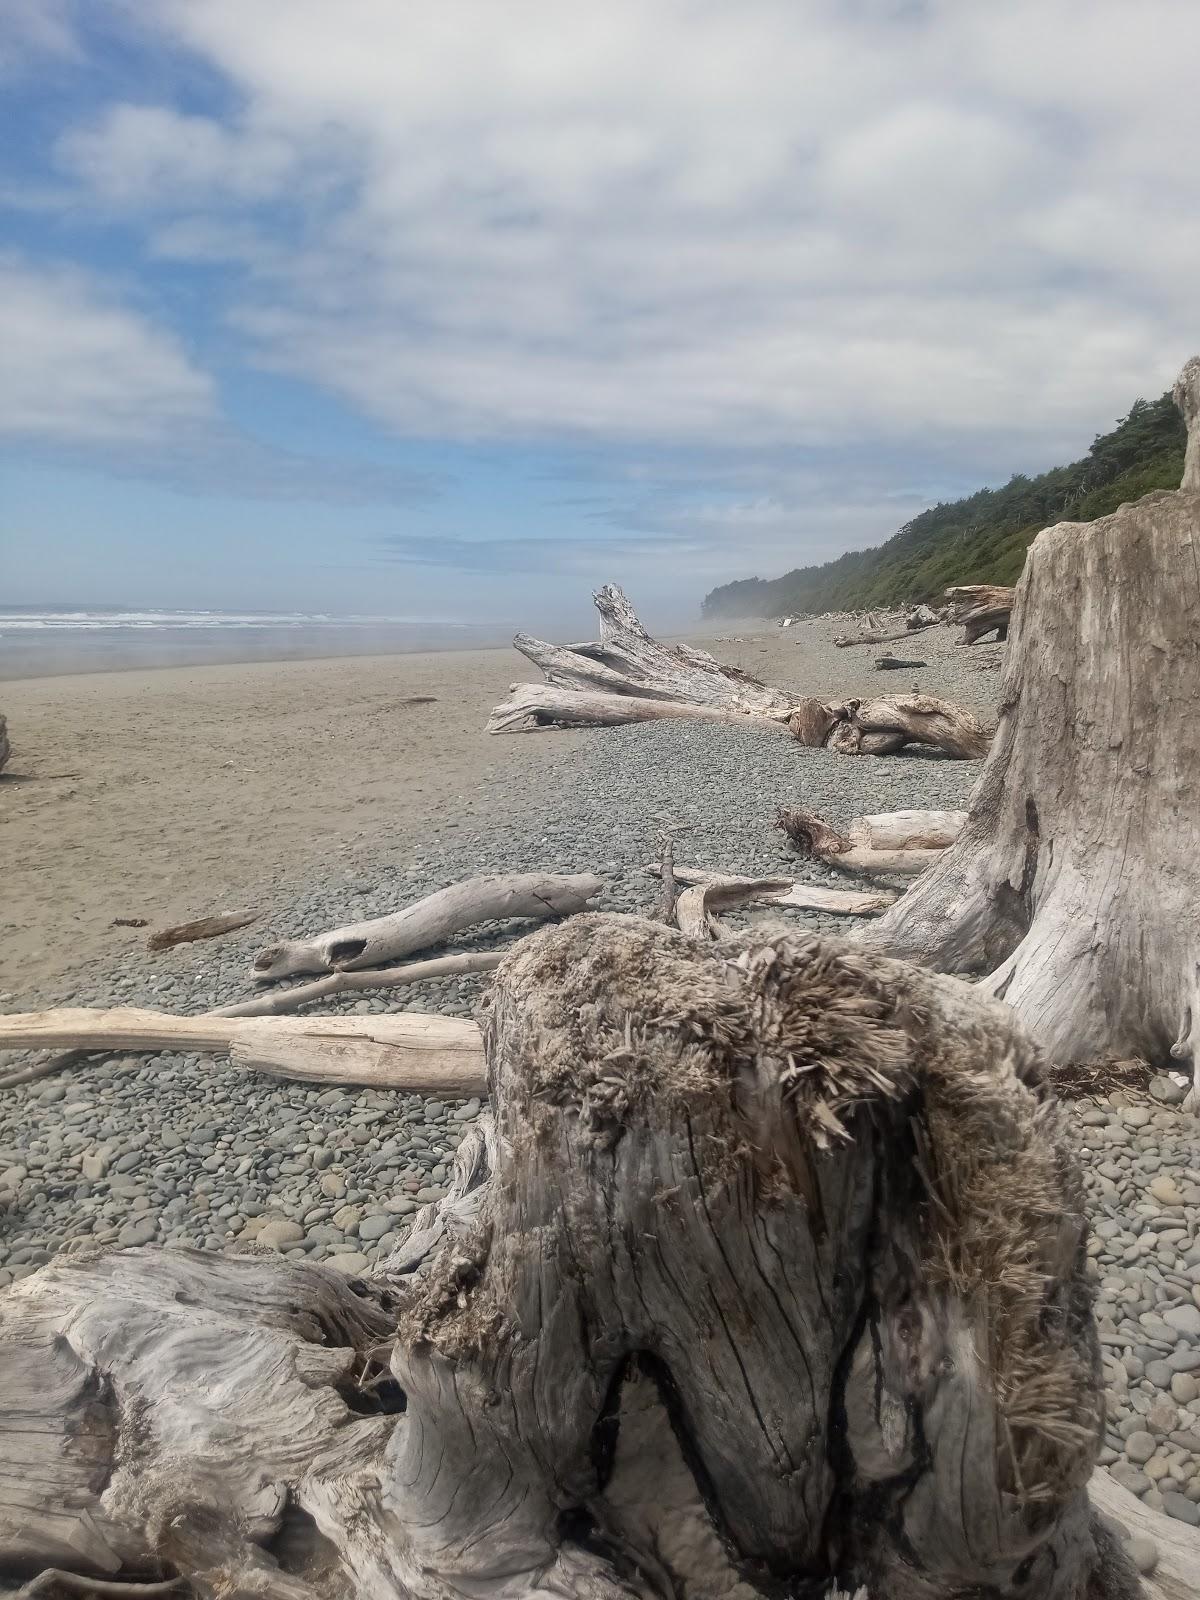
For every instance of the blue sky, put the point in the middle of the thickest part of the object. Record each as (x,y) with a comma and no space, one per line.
(459,310)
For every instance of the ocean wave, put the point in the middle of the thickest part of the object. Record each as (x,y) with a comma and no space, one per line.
(36,621)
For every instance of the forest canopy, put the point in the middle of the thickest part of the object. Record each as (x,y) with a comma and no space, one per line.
(980,539)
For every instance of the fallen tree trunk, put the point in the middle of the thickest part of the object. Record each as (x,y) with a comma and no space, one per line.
(982,608)
(202,928)
(427,922)
(1073,886)
(902,842)
(784,892)
(399,1050)
(771,1277)
(4,745)
(897,664)
(540,705)
(887,723)
(880,635)
(627,661)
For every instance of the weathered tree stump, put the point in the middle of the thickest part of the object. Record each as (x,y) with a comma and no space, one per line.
(1075,882)
(770,1274)
(982,608)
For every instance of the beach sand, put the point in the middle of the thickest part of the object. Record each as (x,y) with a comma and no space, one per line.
(182,792)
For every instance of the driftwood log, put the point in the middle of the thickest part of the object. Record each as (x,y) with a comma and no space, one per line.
(201,928)
(769,1277)
(427,922)
(982,608)
(626,661)
(897,664)
(1074,884)
(884,635)
(412,1051)
(784,892)
(887,723)
(901,842)
(4,745)
(275,1002)
(543,705)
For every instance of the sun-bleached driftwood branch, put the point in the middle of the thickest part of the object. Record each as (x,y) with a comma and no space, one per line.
(497,898)
(902,842)
(982,608)
(768,1278)
(1072,889)
(785,892)
(276,1002)
(420,1053)
(885,724)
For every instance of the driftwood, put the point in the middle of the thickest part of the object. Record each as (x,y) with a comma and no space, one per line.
(627,661)
(903,842)
(202,928)
(922,617)
(887,723)
(1073,886)
(276,1002)
(427,922)
(531,706)
(784,892)
(896,664)
(769,1277)
(982,608)
(877,636)
(399,1050)
(5,750)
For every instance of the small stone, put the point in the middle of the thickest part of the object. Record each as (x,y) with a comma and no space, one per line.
(93,1167)
(1181,1508)
(1159,1374)
(136,1233)
(375,1227)
(1143,1553)
(322,1158)
(1183,1387)
(279,1233)
(1165,1190)
(332,1184)
(1130,1477)
(347,1217)
(1183,1319)
(1140,1446)
(352,1263)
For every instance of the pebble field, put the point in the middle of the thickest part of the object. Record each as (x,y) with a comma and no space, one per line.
(183,1149)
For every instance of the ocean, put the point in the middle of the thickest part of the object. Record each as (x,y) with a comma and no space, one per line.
(49,641)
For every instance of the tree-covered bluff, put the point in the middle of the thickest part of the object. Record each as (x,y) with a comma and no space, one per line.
(980,539)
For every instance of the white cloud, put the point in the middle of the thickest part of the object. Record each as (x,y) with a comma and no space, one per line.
(772,222)
(78,367)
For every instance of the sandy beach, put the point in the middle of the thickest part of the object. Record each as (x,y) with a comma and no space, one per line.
(179,792)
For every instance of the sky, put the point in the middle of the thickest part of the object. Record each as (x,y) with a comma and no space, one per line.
(458,310)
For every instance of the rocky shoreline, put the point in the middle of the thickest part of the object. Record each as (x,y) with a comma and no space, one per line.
(184,1149)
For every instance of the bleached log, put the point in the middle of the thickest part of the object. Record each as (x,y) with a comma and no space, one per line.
(1072,889)
(906,830)
(540,705)
(627,661)
(784,892)
(813,836)
(528,895)
(877,636)
(423,1054)
(277,1002)
(982,608)
(770,1279)
(887,723)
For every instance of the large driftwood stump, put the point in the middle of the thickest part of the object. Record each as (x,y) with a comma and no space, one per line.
(1075,882)
(770,1274)
(982,608)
